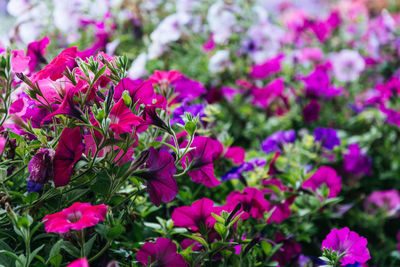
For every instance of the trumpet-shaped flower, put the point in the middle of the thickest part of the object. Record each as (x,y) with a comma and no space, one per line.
(324,176)
(159,174)
(79,263)
(327,137)
(197,216)
(348,242)
(68,152)
(76,217)
(253,202)
(161,253)
(122,118)
(201,160)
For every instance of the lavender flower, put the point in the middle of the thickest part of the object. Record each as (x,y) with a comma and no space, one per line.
(274,142)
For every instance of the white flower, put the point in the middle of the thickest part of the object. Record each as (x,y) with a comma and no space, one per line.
(219,62)
(138,67)
(221,22)
(347,65)
(167,31)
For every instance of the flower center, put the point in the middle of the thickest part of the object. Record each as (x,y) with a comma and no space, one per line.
(74,217)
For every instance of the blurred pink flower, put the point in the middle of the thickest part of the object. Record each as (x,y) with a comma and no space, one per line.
(387,200)
(324,176)
(76,217)
(348,242)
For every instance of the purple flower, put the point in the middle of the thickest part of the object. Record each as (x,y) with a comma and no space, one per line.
(253,202)
(188,89)
(324,176)
(201,160)
(388,200)
(274,142)
(327,137)
(236,172)
(159,174)
(196,109)
(161,253)
(318,84)
(357,162)
(41,169)
(311,111)
(348,242)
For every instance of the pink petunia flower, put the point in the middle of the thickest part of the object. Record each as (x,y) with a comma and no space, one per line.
(253,202)
(76,217)
(36,51)
(159,174)
(271,66)
(79,263)
(197,216)
(122,118)
(356,161)
(388,200)
(161,253)
(165,78)
(68,152)
(57,66)
(19,62)
(237,154)
(324,176)
(348,242)
(201,160)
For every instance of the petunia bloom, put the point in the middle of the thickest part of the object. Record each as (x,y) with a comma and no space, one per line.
(271,66)
(159,174)
(161,253)
(197,216)
(79,263)
(36,51)
(253,202)
(201,160)
(274,142)
(357,162)
(327,137)
(41,169)
(348,242)
(68,152)
(57,66)
(348,65)
(122,118)
(324,176)
(387,200)
(76,217)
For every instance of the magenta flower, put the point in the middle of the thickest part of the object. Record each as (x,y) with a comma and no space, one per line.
(263,97)
(289,251)
(348,242)
(387,200)
(141,92)
(281,210)
(79,263)
(161,253)
(271,66)
(68,152)
(311,111)
(76,217)
(159,174)
(41,169)
(324,176)
(201,160)
(357,162)
(57,66)
(3,142)
(122,118)
(36,51)
(165,77)
(68,107)
(253,202)
(197,216)
(236,154)
(19,62)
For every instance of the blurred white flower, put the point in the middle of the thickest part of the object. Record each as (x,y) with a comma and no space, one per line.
(219,62)
(138,67)
(221,21)
(347,65)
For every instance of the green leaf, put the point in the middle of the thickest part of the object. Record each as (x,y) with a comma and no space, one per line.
(33,254)
(198,239)
(31,197)
(71,249)
(88,245)
(12,255)
(56,260)
(55,250)
(4,258)
(115,232)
